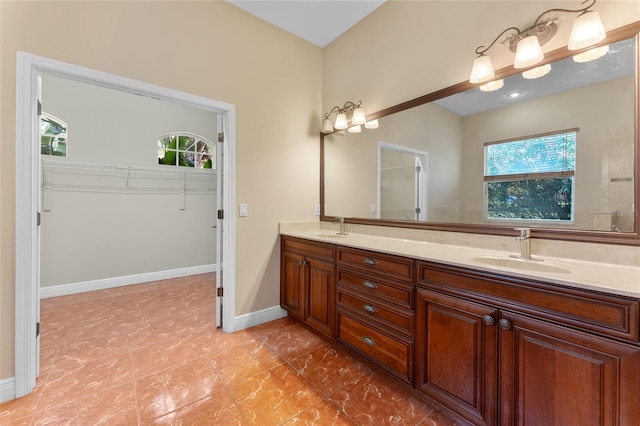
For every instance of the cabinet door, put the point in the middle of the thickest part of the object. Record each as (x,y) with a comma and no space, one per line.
(320,312)
(292,283)
(551,375)
(456,349)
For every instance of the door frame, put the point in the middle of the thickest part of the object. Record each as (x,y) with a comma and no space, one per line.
(27,249)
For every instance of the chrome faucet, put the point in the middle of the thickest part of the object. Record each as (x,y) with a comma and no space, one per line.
(340,220)
(525,242)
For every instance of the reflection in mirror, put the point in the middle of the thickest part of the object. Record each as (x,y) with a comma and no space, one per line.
(595,98)
(402,177)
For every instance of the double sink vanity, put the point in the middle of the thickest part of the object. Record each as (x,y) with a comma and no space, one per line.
(428,284)
(492,338)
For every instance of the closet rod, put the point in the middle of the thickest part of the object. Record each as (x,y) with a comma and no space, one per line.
(108,167)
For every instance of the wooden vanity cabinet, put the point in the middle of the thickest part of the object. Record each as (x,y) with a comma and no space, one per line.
(503,351)
(307,282)
(375,308)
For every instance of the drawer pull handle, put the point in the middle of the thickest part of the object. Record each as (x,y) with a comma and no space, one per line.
(504,324)
(488,320)
(369,284)
(370,261)
(369,341)
(369,308)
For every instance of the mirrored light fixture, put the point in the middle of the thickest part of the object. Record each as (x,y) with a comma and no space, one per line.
(492,85)
(537,72)
(351,116)
(587,31)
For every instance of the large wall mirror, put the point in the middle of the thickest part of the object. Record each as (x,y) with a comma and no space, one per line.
(462,159)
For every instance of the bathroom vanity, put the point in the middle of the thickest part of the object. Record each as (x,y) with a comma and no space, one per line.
(494,345)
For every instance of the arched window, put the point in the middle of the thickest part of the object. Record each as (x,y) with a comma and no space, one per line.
(186,150)
(53,135)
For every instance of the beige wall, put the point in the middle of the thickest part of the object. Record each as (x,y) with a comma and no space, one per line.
(406,49)
(211,49)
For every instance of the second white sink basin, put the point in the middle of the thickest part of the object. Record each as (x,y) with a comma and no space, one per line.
(522,264)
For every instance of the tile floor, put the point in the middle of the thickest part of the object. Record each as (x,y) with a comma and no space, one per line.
(150,354)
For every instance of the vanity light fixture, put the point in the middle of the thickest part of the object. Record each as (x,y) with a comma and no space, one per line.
(351,116)
(587,31)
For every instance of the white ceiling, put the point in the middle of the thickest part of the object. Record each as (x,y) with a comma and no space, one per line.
(317,21)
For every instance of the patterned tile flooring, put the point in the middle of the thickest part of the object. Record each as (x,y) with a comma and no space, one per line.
(150,354)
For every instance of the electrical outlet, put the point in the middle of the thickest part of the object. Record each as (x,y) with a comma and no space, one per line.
(317,210)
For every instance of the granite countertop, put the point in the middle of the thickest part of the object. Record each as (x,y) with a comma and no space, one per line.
(604,277)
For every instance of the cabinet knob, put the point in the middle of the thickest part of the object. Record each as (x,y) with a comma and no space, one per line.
(369,284)
(369,341)
(302,262)
(369,308)
(504,324)
(488,320)
(370,261)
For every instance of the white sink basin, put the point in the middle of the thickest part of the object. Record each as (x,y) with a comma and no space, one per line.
(522,264)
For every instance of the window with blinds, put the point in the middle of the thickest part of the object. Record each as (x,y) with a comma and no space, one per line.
(531,178)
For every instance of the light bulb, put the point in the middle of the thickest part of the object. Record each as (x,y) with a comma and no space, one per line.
(482,70)
(537,72)
(591,54)
(492,85)
(327,127)
(587,30)
(341,121)
(358,116)
(528,52)
(373,124)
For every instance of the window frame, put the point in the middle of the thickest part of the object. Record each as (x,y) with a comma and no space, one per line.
(197,138)
(61,122)
(530,176)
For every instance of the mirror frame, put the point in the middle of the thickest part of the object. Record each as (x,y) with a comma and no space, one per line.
(604,237)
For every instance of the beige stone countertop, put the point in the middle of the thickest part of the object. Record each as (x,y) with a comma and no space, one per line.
(603,277)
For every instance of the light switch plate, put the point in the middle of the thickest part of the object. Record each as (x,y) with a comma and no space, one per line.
(244,212)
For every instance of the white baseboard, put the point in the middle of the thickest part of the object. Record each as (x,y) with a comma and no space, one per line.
(81,287)
(259,317)
(7,389)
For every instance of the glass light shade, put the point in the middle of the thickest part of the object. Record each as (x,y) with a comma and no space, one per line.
(591,54)
(373,124)
(587,30)
(492,85)
(355,129)
(537,72)
(528,52)
(341,122)
(358,117)
(482,70)
(327,127)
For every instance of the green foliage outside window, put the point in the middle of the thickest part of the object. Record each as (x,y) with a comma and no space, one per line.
(53,136)
(186,150)
(541,199)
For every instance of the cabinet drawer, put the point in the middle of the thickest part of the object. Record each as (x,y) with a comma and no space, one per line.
(394,354)
(310,248)
(400,294)
(610,315)
(396,267)
(389,316)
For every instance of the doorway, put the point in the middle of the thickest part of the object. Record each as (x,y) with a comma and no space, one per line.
(28,200)
(402,183)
